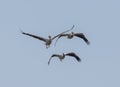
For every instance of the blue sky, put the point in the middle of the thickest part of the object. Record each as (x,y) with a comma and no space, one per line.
(23,60)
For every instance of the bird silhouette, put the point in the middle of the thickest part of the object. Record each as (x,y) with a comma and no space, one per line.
(71,35)
(48,40)
(61,57)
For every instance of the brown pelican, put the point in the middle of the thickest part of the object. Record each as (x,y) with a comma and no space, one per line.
(61,57)
(47,41)
(72,34)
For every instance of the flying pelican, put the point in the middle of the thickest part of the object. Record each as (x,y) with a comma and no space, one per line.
(72,34)
(61,57)
(48,40)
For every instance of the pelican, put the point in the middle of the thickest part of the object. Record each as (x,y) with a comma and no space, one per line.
(72,34)
(61,57)
(48,40)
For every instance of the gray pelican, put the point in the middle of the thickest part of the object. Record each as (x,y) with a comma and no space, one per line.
(72,34)
(61,57)
(47,41)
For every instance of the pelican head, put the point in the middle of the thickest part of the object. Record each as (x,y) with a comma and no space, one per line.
(72,33)
(49,37)
(63,55)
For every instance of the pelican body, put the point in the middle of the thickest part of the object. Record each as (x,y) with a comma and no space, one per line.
(61,57)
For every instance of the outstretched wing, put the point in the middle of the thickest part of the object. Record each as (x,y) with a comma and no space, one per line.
(54,55)
(63,32)
(34,36)
(81,35)
(73,55)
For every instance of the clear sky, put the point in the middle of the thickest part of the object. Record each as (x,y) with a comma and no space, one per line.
(23,60)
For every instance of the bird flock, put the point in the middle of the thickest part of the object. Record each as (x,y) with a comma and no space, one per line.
(48,41)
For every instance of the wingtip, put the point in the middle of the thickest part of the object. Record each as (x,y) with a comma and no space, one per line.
(79,60)
(88,43)
(48,63)
(21,31)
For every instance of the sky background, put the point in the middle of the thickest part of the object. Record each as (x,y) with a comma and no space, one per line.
(23,60)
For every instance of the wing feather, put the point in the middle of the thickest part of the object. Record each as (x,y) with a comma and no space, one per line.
(81,35)
(54,55)
(73,55)
(63,32)
(34,36)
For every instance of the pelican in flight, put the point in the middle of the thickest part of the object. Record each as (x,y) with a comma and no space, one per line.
(72,34)
(61,57)
(48,40)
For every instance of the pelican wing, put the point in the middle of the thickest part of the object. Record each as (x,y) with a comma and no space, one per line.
(34,36)
(54,55)
(73,55)
(62,35)
(81,35)
(63,32)
(49,60)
